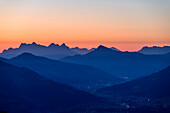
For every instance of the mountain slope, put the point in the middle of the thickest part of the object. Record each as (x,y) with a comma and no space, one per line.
(122,64)
(153,86)
(24,91)
(80,76)
(53,51)
(155,50)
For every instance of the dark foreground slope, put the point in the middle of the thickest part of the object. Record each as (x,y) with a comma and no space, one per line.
(149,94)
(80,76)
(24,91)
(154,86)
(122,64)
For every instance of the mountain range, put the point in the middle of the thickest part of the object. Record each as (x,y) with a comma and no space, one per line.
(32,81)
(53,51)
(80,76)
(155,50)
(123,64)
(24,91)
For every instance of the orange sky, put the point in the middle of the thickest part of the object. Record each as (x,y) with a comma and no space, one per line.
(125,24)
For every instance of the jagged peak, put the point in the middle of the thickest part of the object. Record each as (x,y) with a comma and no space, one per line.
(64,45)
(22,44)
(34,43)
(102,47)
(53,44)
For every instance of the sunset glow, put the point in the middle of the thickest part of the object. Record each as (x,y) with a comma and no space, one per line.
(126,24)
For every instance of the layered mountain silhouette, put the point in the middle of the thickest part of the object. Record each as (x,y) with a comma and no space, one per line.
(53,51)
(155,50)
(24,91)
(122,64)
(153,86)
(80,76)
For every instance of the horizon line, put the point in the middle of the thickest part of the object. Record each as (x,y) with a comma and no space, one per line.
(47,45)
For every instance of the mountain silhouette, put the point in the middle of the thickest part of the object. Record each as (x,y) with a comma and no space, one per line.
(53,51)
(81,51)
(80,76)
(152,86)
(84,51)
(24,91)
(122,64)
(155,50)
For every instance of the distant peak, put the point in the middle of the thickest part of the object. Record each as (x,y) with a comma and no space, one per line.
(76,48)
(53,45)
(34,43)
(64,45)
(22,44)
(10,48)
(102,47)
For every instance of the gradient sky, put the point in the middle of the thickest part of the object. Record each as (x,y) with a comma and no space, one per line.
(125,24)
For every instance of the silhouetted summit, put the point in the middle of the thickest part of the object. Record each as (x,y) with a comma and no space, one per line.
(53,45)
(34,43)
(103,48)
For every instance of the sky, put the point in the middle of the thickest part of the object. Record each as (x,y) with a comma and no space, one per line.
(125,24)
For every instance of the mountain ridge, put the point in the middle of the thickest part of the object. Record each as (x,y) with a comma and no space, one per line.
(52,51)
(122,64)
(155,50)
(80,76)
(155,85)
